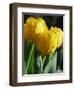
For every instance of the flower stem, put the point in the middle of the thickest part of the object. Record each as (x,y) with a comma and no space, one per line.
(44,58)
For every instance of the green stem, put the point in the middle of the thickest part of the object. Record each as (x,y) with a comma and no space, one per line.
(42,63)
(41,69)
(44,58)
(31,51)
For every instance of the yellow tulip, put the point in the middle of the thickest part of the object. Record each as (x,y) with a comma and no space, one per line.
(29,28)
(59,35)
(47,43)
(33,28)
(50,40)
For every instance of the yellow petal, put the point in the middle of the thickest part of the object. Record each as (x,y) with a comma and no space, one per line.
(33,28)
(47,43)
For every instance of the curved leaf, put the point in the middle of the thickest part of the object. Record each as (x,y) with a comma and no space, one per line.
(52,64)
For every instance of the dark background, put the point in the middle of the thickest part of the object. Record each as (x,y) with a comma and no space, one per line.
(51,20)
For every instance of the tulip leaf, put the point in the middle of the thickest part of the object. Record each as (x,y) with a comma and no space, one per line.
(60,58)
(52,64)
(59,71)
(39,64)
(30,61)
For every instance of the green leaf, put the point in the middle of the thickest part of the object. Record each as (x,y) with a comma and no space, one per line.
(39,64)
(31,66)
(30,61)
(60,58)
(59,71)
(52,64)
